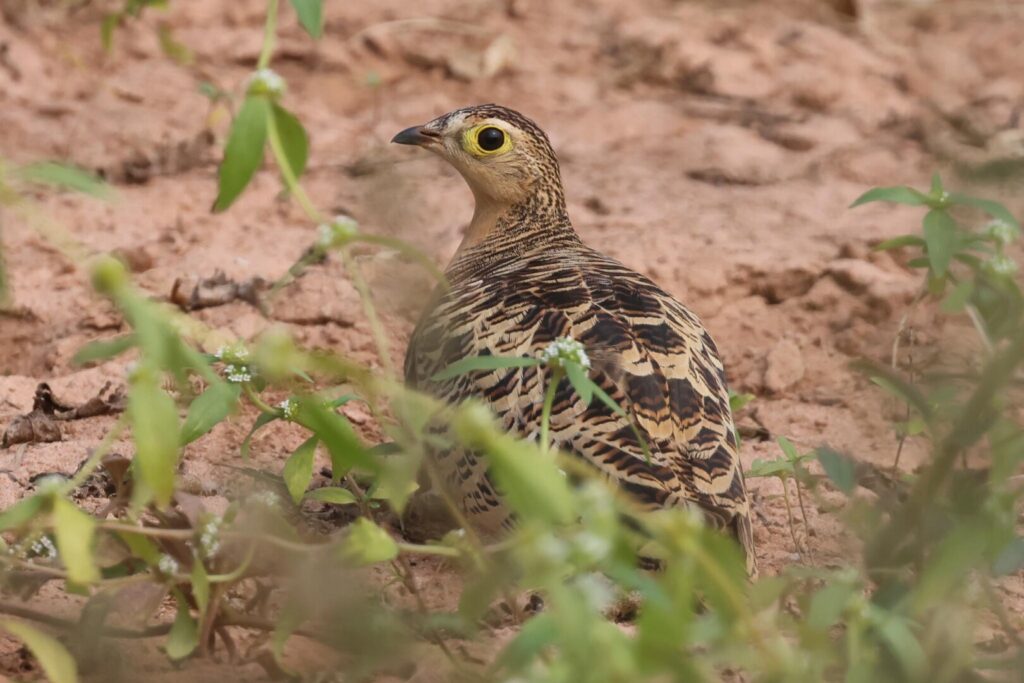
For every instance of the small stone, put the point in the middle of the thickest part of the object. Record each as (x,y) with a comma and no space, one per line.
(138,258)
(785,366)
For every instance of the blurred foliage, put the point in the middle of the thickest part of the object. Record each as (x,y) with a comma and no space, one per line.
(907,607)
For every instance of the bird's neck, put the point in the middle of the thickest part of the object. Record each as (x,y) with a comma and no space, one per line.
(538,219)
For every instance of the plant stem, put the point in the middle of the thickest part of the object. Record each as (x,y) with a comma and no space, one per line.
(96,457)
(366,297)
(549,401)
(291,180)
(438,550)
(255,399)
(269,35)
(789,514)
(979,325)
(800,502)
(406,250)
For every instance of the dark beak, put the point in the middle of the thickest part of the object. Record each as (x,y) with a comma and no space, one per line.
(417,135)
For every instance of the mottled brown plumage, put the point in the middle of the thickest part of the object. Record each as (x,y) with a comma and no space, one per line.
(523,278)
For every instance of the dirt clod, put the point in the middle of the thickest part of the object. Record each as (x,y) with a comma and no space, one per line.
(784,366)
(218,290)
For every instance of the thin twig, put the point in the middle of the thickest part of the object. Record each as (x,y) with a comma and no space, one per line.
(380,337)
(789,514)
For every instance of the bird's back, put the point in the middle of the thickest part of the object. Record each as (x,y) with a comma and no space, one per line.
(648,352)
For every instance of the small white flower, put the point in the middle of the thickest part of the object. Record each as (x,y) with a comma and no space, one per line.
(1001,231)
(265,82)
(43,547)
(565,350)
(238,374)
(591,546)
(236,353)
(1002,265)
(552,549)
(288,408)
(324,235)
(337,232)
(49,483)
(209,539)
(168,565)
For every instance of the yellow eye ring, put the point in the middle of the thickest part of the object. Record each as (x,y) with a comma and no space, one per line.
(486,140)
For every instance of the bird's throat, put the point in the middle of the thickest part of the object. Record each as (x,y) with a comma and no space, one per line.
(496,225)
(487,215)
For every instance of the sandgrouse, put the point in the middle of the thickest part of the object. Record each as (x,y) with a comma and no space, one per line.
(522,278)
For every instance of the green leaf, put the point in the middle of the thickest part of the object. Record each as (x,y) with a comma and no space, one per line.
(1011,559)
(788,448)
(287,621)
(107,27)
(738,402)
(343,445)
(958,298)
(387,448)
(209,409)
(103,349)
(992,208)
(903,644)
(475,363)
(262,420)
(532,482)
(243,153)
(184,636)
(603,396)
(896,195)
(21,512)
(154,420)
(828,605)
(533,638)
(55,660)
(298,469)
(294,140)
(919,262)
(937,189)
(75,531)
(839,468)
(200,581)
(901,241)
(769,468)
(914,426)
(367,543)
(940,233)
(332,494)
(342,400)
(311,16)
(64,176)
(140,546)
(889,380)
(580,381)
(172,47)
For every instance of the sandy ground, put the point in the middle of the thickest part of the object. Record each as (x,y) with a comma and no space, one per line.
(713,146)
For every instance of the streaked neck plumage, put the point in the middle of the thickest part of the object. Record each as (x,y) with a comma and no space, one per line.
(500,229)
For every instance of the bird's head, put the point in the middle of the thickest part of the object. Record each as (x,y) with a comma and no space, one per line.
(505,157)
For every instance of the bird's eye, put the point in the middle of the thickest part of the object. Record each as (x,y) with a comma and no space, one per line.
(490,138)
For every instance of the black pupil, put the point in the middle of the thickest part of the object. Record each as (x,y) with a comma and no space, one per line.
(490,139)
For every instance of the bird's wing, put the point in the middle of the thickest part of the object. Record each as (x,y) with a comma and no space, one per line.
(648,352)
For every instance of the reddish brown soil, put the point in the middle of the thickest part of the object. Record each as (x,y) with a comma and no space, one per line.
(714,146)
